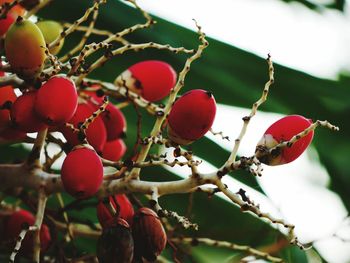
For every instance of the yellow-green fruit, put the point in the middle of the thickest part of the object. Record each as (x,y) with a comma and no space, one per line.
(51,31)
(25,48)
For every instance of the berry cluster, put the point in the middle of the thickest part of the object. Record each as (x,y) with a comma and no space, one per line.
(138,235)
(50,94)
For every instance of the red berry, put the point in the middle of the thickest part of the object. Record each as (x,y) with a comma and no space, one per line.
(23,115)
(152,79)
(149,235)
(114,121)
(5,23)
(11,16)
(112,117)
(114,150)
(280,131)
(93,95)
(96,132)
(191,116)
(14,225)
(7,95)
(56,101)
(121,204)
(82,173)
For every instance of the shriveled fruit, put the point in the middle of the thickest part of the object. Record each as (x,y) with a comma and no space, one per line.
(11,16)
(148,233)
(96,132)
(116,244)
(82,172)
(122,206)
(152,79)
(114,150)
(14,225)
(56,101)
(25,48)
(191,116)
(280,131)
(23,115)
(51,31)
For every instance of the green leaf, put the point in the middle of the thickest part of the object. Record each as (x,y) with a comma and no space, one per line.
(13,153)
(337,4)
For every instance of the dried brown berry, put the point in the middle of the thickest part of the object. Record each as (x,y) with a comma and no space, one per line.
(116,245)
(149,235)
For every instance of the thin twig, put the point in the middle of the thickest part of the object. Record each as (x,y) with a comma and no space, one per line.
(83,40)
(72,28)
(34,156)
(38,223)
(37,8)
(225,244)
(185,222)
(255,107)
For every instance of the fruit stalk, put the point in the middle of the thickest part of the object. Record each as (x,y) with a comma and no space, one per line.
(246,119)
(38,222)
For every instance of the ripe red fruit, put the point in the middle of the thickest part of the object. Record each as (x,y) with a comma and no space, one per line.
(7,95)
(152,79)
(114,121)
(280,131)
(116,245)
(5,23)
(11,16)
(82,173)
(13,225)
(114,150)
(121,204)
(112,117)
(148,233)
(23,115)
(96,132)
(191,116)
(56,100)
(94,95)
